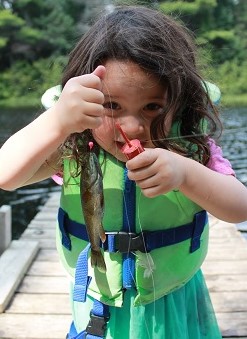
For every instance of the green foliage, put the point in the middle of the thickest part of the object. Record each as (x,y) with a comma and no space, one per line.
(226,45)
(188,8)
(36,34)
(9,25)
(56,27)
(178,7)
(37,29)
(233,77)
(29,35)
(30,81)
(9,20)
(221,35)
(3,42)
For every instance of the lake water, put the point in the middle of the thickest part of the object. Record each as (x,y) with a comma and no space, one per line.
(234,144)
(234,141)
(26,201)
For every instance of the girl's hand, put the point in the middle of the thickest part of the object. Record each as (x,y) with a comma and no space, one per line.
(79,106)
(157,171)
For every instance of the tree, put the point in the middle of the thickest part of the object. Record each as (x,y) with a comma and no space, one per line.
(240,14)
(10,25)
(33,29)
(213,22)
(35,37)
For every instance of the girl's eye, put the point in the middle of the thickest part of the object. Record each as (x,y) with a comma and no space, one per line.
(111,105)
(152,107)
(152,110)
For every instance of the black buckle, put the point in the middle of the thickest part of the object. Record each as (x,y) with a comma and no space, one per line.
(129,242)
(97,325)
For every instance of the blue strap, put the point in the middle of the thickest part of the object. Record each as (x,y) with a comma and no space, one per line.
(100,312)
(68,227)
(100,309)
(99,317)
(82,280)
(73,333)
(97,325)
(147,240)
(129,204)
(200,219)
(62,218)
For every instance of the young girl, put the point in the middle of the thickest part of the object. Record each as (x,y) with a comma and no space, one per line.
(135,67)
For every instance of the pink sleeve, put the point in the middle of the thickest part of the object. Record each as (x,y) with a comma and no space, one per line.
(217,162)
(58,178)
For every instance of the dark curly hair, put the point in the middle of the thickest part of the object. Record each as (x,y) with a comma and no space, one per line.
(164,48)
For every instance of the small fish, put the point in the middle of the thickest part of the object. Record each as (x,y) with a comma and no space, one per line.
(92,201)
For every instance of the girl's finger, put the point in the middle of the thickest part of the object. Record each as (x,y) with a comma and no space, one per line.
(100,71)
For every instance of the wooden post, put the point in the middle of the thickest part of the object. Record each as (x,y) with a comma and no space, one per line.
(5,227)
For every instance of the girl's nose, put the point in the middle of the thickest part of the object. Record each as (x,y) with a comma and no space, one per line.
(132,126)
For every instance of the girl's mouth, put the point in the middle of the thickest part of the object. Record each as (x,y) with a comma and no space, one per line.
(119,144)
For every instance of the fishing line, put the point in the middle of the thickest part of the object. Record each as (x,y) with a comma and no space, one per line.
(149,262)
(226,131)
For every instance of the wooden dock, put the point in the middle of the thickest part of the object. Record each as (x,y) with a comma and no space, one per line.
(34,297)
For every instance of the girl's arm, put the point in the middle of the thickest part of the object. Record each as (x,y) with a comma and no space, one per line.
(23,156)
(221,195)
(158,171)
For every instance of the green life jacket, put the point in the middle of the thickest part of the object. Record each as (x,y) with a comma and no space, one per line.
(158,272)
(170,266)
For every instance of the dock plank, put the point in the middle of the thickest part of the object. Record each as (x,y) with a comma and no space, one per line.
(225,267)
(233,324)
(34,326)
(26,303)
(227,252)
(226,283)
(47,255)
(229,302)
(39,233)
(47,243)
(14,263)
(46,268)
(41,284)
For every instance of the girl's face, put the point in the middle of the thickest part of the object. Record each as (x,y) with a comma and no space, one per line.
(133,98)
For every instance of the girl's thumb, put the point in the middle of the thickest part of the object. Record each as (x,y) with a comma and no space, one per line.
(100,72)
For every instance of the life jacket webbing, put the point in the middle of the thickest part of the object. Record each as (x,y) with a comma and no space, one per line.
(97,325)
(82,280)
(145,241)
(129,205)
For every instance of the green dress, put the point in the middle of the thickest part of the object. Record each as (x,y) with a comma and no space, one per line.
(186,313)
